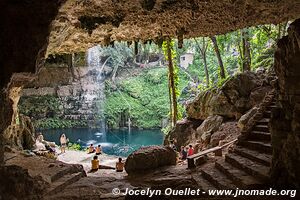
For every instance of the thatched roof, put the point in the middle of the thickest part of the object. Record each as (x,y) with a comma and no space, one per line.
(84,23)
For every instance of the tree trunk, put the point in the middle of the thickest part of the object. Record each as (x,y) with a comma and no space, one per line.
(206,69)
(246,63)
(217,51)
(203,55)
(172,82)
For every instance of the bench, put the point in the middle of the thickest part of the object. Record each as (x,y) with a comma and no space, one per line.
(217,150)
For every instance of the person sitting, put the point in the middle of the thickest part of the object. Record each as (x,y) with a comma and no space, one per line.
(183,153)
(39,143)
(191,150)
(95,164)
(91,149)
(98,150)
(120,165)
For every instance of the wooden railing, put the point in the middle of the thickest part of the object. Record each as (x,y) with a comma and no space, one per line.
(217,150)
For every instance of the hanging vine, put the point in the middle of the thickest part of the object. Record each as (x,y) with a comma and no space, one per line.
(173,80)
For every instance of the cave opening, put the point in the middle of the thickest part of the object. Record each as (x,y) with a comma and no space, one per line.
(269,140)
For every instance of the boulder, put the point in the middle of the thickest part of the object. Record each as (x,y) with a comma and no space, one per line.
(149,158)
(208,127)
(184,132)
(216,138)
(258,95)
(231,100)
(16,183)
(246,117)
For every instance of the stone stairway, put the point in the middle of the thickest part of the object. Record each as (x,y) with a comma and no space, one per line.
(246,165)
(54,175)
(64,178)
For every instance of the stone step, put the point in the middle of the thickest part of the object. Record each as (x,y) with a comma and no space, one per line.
(217,178)
(263,121)
(240,178)
(264,159)
(262,128)
(67,169)
(203,184)
(272,105)
(260,146)
(252,168)
(258,135)
(64,181)
(267,114)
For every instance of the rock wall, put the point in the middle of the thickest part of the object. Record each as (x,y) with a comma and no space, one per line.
(21,52)
(212,114)
(285,121)
(16,183)
(235,97)
(53,94)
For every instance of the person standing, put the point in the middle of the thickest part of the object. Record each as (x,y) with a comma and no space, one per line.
(191,150)
(63,143)
(183,153)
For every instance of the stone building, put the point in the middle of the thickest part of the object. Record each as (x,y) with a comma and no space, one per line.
(186,59)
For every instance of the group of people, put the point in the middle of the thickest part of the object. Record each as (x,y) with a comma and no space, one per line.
(97,150)
(184,152)
(91,149)
(96,163)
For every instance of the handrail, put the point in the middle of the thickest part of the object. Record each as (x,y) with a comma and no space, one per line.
(210,150)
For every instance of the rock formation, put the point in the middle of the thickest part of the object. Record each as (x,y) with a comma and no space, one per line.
(67,99)
(81,24)
(235,97)
(149,158)
(16,183)
(184,132)
(217,108)
(285,121)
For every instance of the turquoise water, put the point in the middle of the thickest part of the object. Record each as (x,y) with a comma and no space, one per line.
(116,142)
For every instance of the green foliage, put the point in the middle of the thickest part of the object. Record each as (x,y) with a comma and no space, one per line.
(143,98)
(52,123)
(166,129)
(117,54)
(43,105)
(74,146)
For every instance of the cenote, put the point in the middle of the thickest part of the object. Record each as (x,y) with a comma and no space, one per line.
(113,142)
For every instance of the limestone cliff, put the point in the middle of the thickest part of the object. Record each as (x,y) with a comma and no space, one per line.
(285,121)
(54,95)
(212,116)
(81,24)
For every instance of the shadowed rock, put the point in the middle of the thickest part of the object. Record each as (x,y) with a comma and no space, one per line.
(148,158)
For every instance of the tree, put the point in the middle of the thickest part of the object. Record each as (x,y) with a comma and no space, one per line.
(246,57)
(217,51)
(202,48)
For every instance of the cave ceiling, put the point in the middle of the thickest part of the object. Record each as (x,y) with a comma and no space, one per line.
(81,24)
